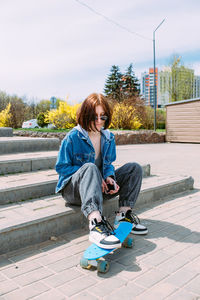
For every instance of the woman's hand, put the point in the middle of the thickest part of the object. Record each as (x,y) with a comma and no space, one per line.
(110,180)
(104,186)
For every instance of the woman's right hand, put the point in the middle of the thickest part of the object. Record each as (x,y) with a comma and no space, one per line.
(104,186)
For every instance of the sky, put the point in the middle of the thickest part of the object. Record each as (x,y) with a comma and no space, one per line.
(66,48)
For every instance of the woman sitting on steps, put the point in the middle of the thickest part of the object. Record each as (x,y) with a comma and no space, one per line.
(86,173)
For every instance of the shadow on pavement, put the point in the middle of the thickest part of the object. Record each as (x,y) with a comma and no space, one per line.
(128,260)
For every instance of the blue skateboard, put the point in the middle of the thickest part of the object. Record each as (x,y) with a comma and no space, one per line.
(93,253)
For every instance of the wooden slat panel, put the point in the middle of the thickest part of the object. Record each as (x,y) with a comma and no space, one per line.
(184,113)
(180,117)
(183,122)
(180,122)
(183,127)
(180,112)
(183,139)
(184,108)
(183,133)
(187,112)
(179,130)
(189,108)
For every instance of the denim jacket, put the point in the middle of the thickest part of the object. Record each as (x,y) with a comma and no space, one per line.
(76,150)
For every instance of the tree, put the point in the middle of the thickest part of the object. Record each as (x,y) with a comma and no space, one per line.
(138,104)
(18,111)
(4,100)
(43,106)
(120,86)
(148,120)
(181,86)
(130,86)
(113,84)
(41,120)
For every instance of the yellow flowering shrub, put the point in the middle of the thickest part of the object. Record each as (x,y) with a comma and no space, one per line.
(64,116)
(5,116)
(124,117)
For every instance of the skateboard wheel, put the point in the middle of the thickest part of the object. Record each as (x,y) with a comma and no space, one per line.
(128,243)
(103,266)
(84,263)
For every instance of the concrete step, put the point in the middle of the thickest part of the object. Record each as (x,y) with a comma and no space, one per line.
(35,161)
(27,162)
(33,221)
(26,186)
(26,144)
(6,131)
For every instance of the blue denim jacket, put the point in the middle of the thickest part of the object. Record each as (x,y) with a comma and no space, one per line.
(76,150)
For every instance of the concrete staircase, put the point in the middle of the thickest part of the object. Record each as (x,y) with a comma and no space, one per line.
(30,212)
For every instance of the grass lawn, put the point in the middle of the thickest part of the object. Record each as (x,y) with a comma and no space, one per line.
(66,130)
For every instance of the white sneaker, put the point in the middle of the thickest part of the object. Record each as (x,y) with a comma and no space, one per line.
(132,218)
(101,233)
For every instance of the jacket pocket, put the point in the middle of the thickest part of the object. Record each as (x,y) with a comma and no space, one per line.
(81,158)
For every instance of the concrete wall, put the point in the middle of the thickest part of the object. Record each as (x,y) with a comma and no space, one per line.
(183,121)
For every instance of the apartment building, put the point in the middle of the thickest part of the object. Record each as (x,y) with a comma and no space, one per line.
(147,86)
(196,87)
(169,87)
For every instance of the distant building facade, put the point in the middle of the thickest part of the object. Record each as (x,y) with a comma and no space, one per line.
(196,87)
(169,86)
(147,86)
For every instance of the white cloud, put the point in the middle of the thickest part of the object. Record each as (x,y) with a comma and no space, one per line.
(61,47)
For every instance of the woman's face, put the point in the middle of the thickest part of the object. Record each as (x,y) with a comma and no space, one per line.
(99,113)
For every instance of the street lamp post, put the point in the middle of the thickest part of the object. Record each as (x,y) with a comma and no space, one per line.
(154,74)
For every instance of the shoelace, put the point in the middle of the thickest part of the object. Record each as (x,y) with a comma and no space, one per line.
(106,227)
(134,218)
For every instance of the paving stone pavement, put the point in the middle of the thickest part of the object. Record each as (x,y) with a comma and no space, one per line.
(165,264)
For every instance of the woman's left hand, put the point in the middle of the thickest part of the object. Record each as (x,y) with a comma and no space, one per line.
(110,180)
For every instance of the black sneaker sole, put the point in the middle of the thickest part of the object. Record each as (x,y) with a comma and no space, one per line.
(142,232)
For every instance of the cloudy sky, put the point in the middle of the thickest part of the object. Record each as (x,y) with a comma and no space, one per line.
(65,48)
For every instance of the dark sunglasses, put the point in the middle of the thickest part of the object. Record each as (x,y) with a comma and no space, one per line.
(103,118)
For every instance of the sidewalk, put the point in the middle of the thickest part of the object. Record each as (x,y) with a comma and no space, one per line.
(167,158)
(165,264)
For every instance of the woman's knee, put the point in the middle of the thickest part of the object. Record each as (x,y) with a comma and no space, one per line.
(135,168)
(91,174)
(91,168)
(90,165)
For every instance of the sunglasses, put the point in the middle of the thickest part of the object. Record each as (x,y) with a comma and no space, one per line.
(103,118)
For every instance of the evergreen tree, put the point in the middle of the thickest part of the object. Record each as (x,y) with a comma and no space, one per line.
(113,84)
(130,85)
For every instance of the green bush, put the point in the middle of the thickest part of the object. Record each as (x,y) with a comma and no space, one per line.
(41,120)
(160,125)
(148,119)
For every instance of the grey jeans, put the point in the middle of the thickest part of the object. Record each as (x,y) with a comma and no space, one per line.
(84,188)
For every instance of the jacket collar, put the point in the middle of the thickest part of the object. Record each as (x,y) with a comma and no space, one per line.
(106,132)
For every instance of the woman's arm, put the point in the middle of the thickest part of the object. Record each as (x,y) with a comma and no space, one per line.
(64,164)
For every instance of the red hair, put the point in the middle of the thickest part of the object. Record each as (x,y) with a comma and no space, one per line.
(87,112)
